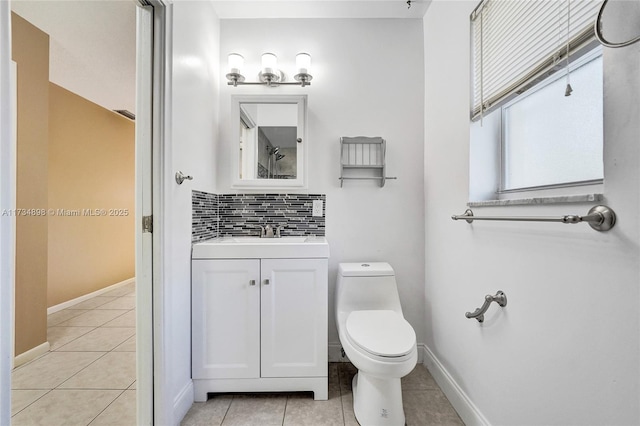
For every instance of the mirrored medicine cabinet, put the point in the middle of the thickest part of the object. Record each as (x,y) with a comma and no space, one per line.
(269,141)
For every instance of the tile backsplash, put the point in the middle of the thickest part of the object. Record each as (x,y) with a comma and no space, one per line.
(238,214)
(204,215)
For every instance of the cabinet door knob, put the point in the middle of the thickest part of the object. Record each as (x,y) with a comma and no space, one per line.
(266,281)
(252,282)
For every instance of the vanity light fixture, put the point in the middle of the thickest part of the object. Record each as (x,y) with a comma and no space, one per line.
(303,64)
(236,62)
(269,75)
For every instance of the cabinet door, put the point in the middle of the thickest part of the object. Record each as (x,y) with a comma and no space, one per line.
(226,319)
(294,317)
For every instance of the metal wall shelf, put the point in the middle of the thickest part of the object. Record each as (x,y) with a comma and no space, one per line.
(363,153)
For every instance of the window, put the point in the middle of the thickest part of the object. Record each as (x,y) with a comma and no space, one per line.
(526,134)
(517,43)
(550,139)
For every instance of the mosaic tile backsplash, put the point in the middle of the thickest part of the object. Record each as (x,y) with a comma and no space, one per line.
(238,214)
(204,216)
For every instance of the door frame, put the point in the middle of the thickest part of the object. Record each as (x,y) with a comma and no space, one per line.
(151,127)
(151,104)
(7,222)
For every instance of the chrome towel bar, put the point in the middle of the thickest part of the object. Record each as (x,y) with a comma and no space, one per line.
(600,218)
(500,298)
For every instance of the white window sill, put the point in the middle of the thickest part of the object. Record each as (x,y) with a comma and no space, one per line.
(559,199)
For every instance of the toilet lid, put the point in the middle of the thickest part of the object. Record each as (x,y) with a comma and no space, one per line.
(382,333)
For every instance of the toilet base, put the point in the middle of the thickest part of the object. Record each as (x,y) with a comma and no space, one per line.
(377,402)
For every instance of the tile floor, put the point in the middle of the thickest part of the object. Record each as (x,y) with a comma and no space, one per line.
(88,376)
(424,404)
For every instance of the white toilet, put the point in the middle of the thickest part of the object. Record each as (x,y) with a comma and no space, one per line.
(379,342)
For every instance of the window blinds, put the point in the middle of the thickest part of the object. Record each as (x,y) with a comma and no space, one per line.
(515,43)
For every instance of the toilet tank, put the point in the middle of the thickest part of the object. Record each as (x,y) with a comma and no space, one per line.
(366,285)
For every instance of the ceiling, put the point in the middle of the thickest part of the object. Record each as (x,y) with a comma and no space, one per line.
(92,47)
(93,42)
(231,9)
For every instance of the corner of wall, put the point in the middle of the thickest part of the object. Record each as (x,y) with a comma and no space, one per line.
(466,409)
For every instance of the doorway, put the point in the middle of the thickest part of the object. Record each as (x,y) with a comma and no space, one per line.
(143,255)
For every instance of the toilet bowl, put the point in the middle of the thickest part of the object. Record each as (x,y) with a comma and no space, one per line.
(379,342)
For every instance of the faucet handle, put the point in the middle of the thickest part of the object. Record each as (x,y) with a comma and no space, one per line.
(262,230)
(278,229)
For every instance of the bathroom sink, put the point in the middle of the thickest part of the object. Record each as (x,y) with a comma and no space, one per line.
(260,240)
(256,247)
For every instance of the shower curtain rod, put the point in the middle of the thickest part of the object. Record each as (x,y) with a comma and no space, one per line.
(600,218)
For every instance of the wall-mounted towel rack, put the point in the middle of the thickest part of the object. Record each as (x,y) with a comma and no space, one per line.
(363,157)
(600,218)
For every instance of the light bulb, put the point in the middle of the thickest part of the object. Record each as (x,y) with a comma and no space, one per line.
(269,63)
(236,62)
(303,63)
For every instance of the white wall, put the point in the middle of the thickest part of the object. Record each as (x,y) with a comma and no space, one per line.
(368,81)
(566,348)
(195,73)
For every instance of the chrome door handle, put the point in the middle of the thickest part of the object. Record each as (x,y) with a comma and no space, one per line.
(266,281)
(252,282)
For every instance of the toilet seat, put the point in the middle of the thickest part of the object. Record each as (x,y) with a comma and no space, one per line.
(382,333)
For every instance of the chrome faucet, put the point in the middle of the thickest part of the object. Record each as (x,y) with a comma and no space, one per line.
(268,232)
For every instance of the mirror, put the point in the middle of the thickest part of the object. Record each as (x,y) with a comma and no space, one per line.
(268,133)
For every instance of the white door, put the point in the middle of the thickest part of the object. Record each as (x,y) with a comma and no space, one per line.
(226,319)
(294,317)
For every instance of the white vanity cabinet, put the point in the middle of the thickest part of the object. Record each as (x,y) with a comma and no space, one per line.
(259,325)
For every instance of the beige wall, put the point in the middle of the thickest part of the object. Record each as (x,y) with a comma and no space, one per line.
(30,50)
(91,166)
(72,155)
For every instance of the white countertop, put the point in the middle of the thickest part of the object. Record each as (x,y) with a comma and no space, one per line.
(261,248)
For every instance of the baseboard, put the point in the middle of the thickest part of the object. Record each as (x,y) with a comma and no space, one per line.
(31,354)
(65,305)
(421,349)
(466,409)
(182,403)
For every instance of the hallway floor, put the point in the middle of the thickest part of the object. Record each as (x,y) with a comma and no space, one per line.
(88,376)
(424,404)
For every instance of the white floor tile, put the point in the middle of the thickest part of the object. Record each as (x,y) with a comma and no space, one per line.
(63,315)
(60,336)
(102,339)
(129,345)
(65,408)
(20,399)
(126,320)
(50,370)
(93,318)
(115,370)
(125,302)
(121,412)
